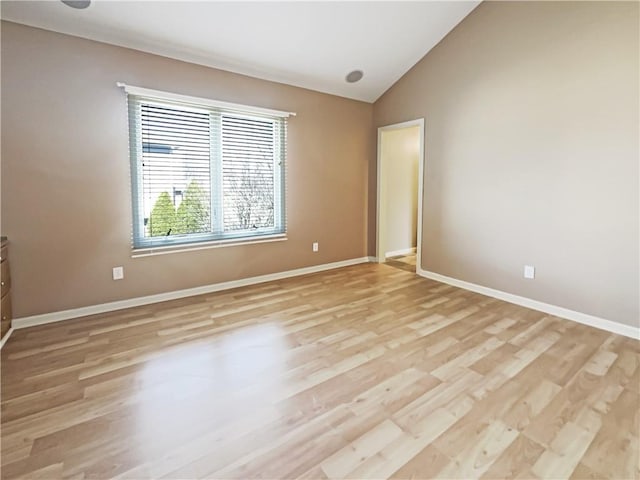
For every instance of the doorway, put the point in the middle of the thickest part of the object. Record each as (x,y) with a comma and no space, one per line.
(400,186)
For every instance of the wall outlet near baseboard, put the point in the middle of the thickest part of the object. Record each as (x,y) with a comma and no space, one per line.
(118,273)
(315,246)
(529,271)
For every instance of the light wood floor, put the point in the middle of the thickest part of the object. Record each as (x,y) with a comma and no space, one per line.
(403,262)
(362,372)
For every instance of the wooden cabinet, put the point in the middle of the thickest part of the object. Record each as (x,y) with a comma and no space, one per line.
(5,288)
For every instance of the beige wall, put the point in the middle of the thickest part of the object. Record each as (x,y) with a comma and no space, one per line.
(532,118)
(399,155)
(65,173)
(532,133)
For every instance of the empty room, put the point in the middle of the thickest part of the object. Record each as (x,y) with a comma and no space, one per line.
(320,240)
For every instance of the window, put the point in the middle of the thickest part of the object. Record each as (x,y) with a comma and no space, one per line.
(203,172)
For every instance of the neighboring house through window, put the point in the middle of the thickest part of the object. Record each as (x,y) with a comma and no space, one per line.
(204,171)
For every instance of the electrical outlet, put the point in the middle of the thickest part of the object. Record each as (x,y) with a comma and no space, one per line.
(315,246)
(118,273)
(529,271)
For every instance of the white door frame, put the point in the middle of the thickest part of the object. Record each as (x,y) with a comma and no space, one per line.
(380,254)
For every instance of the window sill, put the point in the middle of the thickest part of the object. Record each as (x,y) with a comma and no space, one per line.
(190,247)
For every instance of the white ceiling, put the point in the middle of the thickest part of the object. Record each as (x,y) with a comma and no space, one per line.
(307,44)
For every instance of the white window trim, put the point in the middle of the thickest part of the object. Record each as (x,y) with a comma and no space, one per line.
(200,101)
(190,247)
(150,250)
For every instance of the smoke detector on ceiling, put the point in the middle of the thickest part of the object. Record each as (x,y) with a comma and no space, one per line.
(79,4)
(354,76)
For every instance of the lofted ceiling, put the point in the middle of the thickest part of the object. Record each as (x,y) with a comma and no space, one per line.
(308,44)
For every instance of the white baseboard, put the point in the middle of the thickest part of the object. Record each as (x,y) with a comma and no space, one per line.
(405,251)
(590,320)
(42,319)
(585,319)
(6,337)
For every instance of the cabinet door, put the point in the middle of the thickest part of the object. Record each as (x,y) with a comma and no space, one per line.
(5,278)
(5,308)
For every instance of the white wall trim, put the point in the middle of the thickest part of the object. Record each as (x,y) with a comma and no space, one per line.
(44,318)
(6,337)
(198,101)
(411,123)
(585,319)
(192,247)
(404,251)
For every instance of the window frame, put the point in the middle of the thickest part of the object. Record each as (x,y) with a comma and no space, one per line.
(136,97)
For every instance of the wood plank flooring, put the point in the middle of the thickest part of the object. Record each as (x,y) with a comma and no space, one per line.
(404,262)
(363,372)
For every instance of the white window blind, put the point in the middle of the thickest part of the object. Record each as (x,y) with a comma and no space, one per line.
(203,173)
